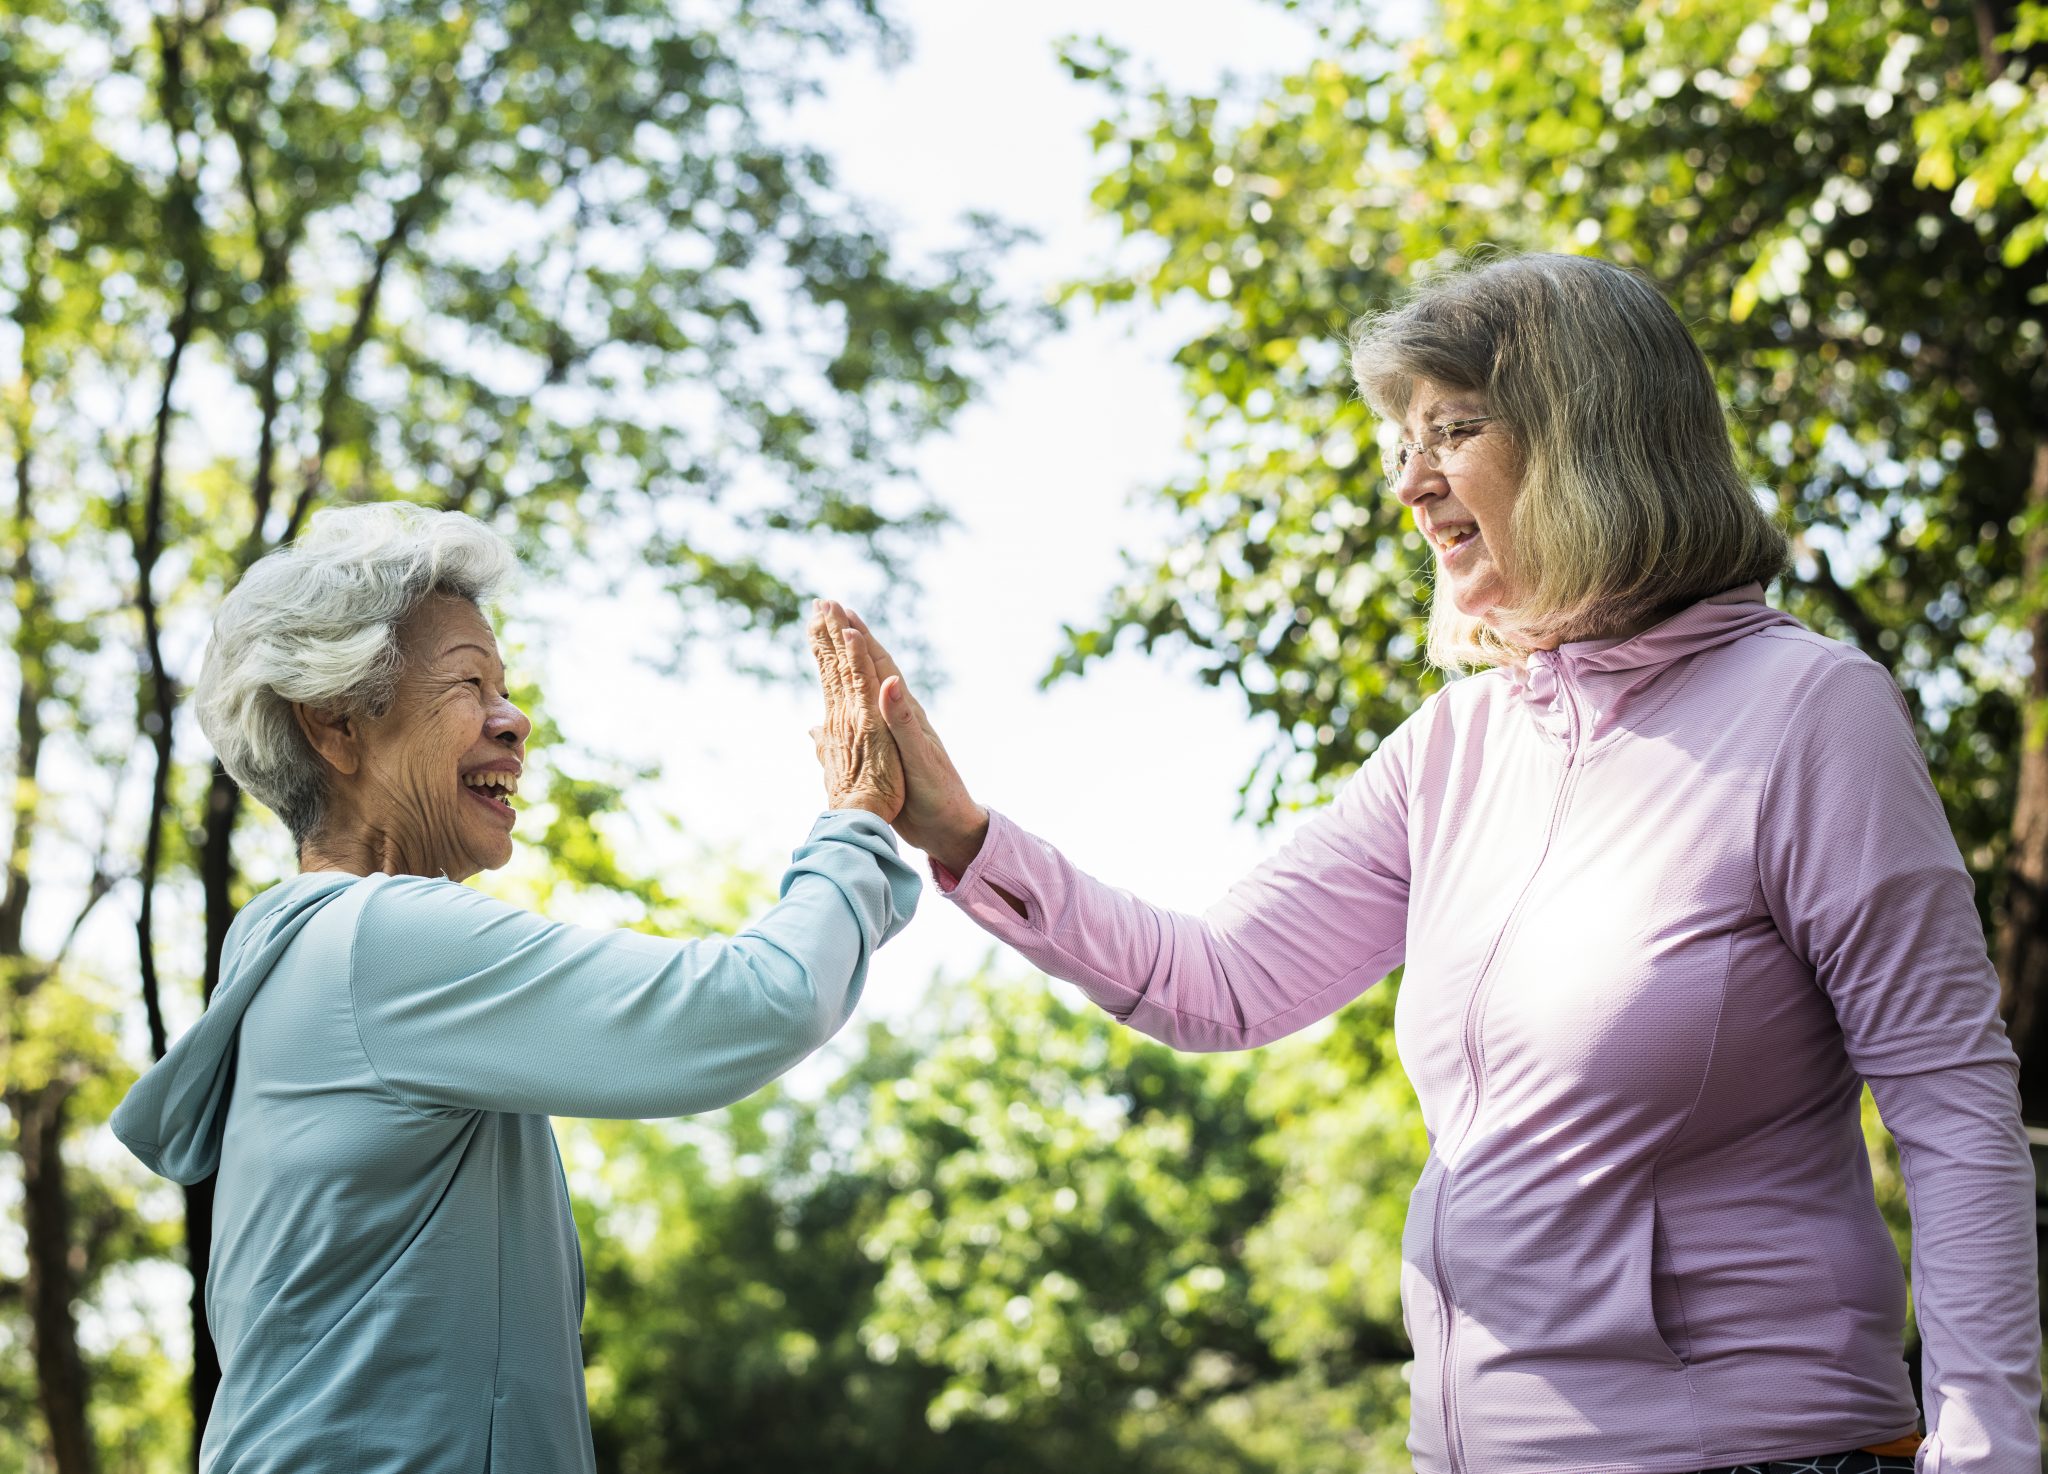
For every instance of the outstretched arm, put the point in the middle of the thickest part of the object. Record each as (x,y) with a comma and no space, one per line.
(1302,935)
(463,1002)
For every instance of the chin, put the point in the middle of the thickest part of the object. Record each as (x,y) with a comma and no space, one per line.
(1482,604)
(475,865)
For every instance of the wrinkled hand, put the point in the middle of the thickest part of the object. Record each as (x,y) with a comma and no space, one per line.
(854,745)
(938,814)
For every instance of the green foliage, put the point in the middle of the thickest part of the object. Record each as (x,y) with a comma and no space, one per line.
(63,1033)
(1890,1183)
(1068,1231)
(1348,1144)
(1881,347)
(545,264)
(1991,147)
(1020,1238)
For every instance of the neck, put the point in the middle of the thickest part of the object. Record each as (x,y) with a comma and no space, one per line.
(1604,631)
(361,849)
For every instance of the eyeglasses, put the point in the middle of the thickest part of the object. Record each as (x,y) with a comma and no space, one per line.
(1437,442)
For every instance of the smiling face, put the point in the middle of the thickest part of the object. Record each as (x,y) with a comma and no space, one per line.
(1464,508)
(422,789)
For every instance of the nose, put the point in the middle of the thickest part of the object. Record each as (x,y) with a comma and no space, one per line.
(508,724)
(1418,479)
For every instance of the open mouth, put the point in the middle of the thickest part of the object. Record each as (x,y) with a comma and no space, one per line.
(1451,543)
(493,790)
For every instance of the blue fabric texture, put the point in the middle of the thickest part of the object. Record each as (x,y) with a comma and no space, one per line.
(396,1282)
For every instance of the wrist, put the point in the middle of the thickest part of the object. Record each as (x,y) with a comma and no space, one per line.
(958,843)
(864,803)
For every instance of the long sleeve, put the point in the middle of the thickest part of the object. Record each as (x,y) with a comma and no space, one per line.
(462,1001)
(1864,879)
(1292,942)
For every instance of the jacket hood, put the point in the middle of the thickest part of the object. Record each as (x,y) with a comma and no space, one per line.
(174,1116)
(1611,677)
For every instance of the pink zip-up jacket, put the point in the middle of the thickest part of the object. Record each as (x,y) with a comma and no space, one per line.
(1665,904)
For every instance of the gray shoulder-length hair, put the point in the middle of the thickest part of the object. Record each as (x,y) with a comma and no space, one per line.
(317,622)
(1630,504)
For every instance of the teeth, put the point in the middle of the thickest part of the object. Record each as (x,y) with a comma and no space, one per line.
(507,784)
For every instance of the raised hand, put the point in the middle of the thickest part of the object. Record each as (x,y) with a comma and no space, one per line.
(938,816)
(854,744)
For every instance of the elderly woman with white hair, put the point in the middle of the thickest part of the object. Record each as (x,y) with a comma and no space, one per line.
(395,1281)
(1670,885)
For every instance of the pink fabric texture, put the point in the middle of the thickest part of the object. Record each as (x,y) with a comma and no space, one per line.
(1665,904)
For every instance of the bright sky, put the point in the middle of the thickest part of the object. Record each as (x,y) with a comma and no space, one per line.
(1133,769)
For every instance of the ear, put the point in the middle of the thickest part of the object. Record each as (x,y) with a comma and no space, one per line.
(333,733)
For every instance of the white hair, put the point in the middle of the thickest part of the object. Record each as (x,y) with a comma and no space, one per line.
(317,622)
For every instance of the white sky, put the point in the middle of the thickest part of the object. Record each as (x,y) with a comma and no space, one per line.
(1131,769)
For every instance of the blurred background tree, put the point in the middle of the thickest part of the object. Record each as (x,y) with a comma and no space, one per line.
(549,264)
(1017,1238)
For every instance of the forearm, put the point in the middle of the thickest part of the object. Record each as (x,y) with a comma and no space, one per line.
(1257,966)
(465,1002)
(1971,1187)
(772,994)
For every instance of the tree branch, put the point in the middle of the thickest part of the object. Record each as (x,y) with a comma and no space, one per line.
(155,718)
(1992,22)
(28,723)
(1863,626)
(1737,230)
(341,364)
(273,255)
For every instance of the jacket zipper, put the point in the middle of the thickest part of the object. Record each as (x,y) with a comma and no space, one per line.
(1454,1443)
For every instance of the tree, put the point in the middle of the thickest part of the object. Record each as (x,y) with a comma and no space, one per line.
(1788,175)
(1066,1244)
(550,265)
(1016,1237)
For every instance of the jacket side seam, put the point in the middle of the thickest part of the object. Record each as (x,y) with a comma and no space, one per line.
(498,1251)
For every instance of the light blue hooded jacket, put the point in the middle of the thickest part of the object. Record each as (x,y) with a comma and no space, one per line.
(395,1282)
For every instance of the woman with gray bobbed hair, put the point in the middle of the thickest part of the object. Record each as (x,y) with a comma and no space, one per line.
(395,1283)
(1670,886)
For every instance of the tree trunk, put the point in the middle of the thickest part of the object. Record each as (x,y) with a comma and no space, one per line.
(49,1287)
(216,876)
(2023,924)
(205,1355)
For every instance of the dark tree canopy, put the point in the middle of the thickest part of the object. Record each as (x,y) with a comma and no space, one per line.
(1773,168)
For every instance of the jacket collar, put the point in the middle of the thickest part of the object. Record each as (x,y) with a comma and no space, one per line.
(1589,686)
